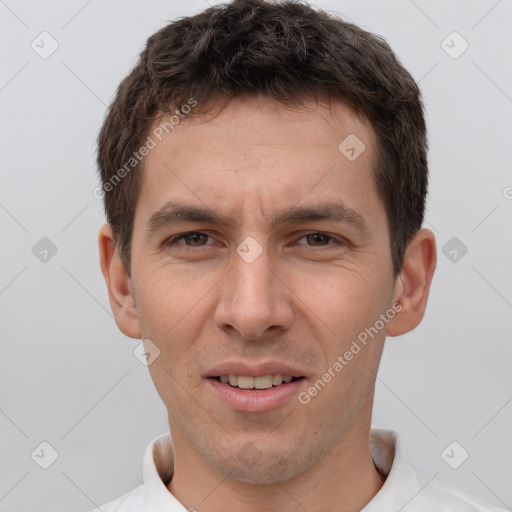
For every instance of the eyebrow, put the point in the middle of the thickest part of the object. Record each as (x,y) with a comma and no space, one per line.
(332,212)
(178,213)
(173,213)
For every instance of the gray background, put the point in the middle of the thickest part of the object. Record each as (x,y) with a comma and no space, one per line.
(69,377)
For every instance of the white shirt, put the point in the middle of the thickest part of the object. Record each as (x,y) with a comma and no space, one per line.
(404,490)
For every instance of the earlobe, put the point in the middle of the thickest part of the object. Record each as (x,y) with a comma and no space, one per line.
(413,284)
(119,285)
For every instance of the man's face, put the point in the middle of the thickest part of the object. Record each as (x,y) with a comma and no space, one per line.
(261,294)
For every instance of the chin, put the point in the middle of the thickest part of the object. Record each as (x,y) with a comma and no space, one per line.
(264,466)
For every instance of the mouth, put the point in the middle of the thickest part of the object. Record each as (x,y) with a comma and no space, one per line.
(259,383)
(255,388)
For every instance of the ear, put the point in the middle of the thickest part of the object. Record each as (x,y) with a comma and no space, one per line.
(119,284)
(412,286)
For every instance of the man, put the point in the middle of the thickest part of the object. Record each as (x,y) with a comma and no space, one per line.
(265,174)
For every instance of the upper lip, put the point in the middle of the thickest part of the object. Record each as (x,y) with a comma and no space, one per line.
(254,369)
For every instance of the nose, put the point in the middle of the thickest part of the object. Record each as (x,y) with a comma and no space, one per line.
(255,300)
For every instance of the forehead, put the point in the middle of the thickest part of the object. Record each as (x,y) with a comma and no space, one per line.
(257,150)
(260,121)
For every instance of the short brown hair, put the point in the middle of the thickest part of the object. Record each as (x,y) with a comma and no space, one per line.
(290,52)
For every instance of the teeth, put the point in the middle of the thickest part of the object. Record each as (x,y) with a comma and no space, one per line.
(277,379)
(263,382)
(245,382)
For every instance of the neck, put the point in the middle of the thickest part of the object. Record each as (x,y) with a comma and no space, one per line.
(344,480)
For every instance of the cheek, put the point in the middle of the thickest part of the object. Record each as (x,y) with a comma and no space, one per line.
(171,294)
(173,312)
(347,297)
(173,308)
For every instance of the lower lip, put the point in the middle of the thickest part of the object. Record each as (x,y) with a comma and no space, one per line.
(255,400)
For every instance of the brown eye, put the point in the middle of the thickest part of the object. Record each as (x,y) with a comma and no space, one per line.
(318,239)
(195,239)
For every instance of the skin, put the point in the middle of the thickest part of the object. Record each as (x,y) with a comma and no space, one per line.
(302,301)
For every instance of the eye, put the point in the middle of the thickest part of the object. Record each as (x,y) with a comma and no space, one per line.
(319,240)
(192,239)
